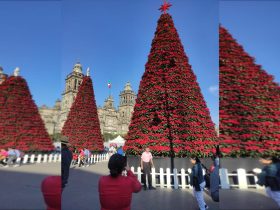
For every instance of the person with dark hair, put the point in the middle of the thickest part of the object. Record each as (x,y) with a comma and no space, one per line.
(66,155)
(270,177)
(82,158)
(51,189)
(198,182)
(115,190)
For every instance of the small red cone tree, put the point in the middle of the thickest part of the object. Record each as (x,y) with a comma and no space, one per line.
(21,125)
(170,115)
(82,124)
(249,103)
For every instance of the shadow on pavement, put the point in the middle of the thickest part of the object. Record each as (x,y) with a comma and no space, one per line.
(250,199)
(21,187)
(81,193)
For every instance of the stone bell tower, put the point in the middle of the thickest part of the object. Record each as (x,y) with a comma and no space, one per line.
(3,76)
(126,106)
(72,84)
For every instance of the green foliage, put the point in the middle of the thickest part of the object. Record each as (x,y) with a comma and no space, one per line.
(109,136)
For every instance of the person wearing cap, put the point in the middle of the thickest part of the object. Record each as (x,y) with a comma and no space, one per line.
(115,190)
(66,155)
(198,182)
(270,177)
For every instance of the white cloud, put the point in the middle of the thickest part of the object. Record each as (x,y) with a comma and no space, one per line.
(214,89)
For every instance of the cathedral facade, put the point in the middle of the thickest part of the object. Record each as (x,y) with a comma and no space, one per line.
(112,120)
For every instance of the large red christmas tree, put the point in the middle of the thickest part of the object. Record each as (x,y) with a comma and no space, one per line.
(249,103)
(170,115)
(21,125)
(82,124)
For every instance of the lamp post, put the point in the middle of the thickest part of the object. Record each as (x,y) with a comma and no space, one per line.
(172,155)
(54,124)
(167,110)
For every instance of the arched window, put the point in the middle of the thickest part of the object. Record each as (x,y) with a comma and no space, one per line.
(75,84)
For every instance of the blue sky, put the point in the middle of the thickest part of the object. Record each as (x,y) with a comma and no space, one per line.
(255,25)
(113,38)
(31,39)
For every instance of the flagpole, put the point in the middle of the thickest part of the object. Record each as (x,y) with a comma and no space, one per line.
(109,86)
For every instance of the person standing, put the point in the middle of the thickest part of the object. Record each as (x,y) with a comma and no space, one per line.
(214,176)
(215,180)
(87,155)
(66,161)
(198,182)
(82,158)
(146,165)
(115,190)
(270,177)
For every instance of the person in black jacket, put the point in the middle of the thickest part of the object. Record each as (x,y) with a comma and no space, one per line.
(198,182)
(214,175)
(270,177)
(66,161)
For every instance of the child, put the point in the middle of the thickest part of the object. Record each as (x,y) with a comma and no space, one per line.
(198,182)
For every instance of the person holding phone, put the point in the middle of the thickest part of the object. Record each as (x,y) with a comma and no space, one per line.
(115,190)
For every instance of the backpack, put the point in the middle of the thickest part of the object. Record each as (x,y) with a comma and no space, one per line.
(206,177)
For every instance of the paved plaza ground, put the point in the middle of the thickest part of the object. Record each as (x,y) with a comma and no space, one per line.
(20,187)
(82,193)
(250,199)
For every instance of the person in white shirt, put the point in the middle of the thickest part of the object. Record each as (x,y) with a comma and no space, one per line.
(146,164)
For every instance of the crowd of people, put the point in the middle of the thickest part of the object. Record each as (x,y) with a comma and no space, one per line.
(8,158)
(81,157)
(113,195)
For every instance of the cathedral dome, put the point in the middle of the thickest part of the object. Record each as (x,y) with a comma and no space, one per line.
(127,86)
(77,68)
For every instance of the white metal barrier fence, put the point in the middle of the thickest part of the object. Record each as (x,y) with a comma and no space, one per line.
(181,179)
(40,158)
(95,158)
(239,179)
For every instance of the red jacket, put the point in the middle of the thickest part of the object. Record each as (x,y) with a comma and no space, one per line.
(51,189)
(116,193)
